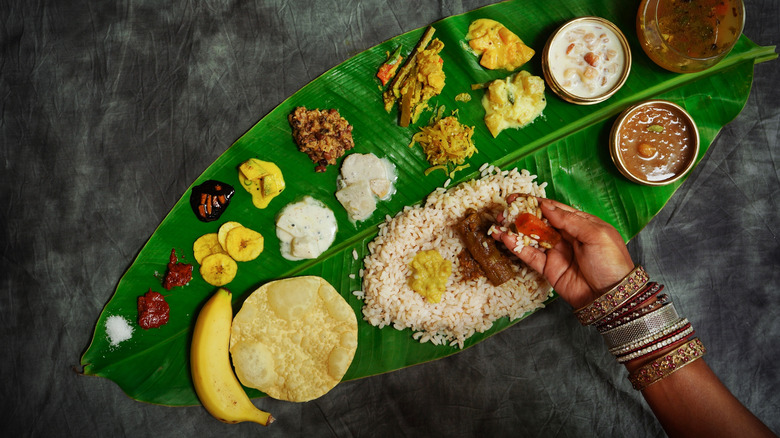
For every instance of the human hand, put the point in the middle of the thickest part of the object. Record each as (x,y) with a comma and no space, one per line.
(590,259)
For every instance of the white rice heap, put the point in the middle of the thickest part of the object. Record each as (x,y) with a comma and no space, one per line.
(466,307)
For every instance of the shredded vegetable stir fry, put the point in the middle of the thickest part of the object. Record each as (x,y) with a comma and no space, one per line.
(446,143)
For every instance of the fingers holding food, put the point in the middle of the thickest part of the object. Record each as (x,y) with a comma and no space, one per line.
(521,224)
(535,258)
(529,225)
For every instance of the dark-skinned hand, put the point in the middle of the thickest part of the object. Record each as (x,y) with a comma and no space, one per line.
(590,258)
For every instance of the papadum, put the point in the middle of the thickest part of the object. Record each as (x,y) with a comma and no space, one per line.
(293,339)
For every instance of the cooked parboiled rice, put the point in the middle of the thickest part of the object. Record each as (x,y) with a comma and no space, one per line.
(466,307)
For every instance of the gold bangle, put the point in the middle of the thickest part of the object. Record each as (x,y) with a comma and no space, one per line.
(667,364)
(633,283)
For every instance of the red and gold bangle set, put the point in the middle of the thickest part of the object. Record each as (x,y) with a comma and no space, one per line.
(636,320)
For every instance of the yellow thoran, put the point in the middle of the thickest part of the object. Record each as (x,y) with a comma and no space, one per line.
(446,143)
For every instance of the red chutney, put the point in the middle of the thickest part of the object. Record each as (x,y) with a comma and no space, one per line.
(153,311)
(178,274)
(656,143)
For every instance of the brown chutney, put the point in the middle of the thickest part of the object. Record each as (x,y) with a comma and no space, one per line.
(654,143)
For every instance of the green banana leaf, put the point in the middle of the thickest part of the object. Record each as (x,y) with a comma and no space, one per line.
(567,148)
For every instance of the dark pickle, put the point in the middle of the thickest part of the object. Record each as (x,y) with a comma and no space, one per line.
(178,274)
(210,199)
(153,311)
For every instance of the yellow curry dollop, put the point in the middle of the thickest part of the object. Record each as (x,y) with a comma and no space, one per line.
(430,272)
(499,47)
(262,179)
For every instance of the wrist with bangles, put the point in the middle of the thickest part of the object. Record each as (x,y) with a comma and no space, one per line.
(642,329)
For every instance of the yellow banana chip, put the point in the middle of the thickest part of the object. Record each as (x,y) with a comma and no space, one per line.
(206,245)
(243,244)
(223,231)
(294,339)
(218,269)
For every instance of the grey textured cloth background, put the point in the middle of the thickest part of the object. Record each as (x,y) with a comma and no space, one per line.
(110,109)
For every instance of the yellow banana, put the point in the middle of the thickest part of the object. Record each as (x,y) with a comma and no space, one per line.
(215,383)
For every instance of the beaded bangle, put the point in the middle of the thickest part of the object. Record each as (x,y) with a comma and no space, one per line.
(647,340)
(665,342)
(667,364)
(647,325)
(625,318)
(647,294)
(632,284)
(679,340)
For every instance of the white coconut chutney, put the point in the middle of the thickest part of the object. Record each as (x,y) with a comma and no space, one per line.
(305,229)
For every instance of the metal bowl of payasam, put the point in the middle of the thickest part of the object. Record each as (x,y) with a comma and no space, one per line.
(586,60)
(654,143)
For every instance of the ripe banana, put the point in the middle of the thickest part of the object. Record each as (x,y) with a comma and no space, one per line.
(215,383)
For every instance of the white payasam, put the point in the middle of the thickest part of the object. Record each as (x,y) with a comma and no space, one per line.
(467,306)
(587,60)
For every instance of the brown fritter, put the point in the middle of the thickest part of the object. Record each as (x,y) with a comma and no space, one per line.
(323,135)
(473,232)
(469,268)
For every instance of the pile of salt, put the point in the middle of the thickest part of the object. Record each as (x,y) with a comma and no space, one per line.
(118,330)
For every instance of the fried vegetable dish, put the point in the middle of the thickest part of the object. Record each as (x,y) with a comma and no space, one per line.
(420,79)
(499,47)
(321,134)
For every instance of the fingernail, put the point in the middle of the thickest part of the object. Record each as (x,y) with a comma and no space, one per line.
(548,206)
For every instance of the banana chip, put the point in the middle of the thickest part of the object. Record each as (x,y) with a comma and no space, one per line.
(232,243)
(294,339)
(243,244)
(206,245)
(224,229)
(218,269)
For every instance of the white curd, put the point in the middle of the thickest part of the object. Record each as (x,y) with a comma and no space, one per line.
(305,229)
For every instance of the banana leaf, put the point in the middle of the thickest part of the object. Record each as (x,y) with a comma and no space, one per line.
(567,148)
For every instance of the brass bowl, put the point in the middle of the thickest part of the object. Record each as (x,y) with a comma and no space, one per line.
(653,38)
(570,96)
(617,156)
